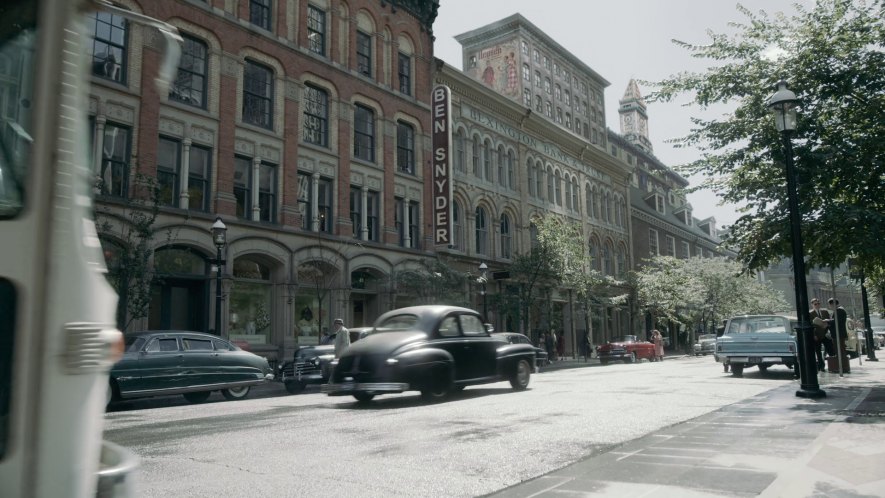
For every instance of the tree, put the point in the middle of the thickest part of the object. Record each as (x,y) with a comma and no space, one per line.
(434,282)
(128,240)
(832,57)
(698,292)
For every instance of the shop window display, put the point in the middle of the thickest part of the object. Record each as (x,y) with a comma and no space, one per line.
(250,302)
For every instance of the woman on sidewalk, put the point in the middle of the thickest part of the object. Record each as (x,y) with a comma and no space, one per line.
(659,344)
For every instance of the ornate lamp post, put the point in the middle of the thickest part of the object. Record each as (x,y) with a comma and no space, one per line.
(783,105)
(857,273)
(219,237)
(483,268)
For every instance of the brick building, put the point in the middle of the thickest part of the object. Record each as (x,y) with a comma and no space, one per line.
(302,124)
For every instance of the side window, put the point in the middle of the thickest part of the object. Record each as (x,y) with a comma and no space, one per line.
(162,345)
(222,345)
(472,325)
(191,344)
(449,327)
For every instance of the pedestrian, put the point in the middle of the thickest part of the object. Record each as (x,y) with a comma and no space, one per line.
(588,347)
(658,339)
(838,324)
(560,346)
(342,337)
(325,338)
(549,341)
(819,318)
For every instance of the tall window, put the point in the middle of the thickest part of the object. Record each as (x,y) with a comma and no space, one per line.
(500,160)
(482,231)
(533,173)
(671,245)
(575,204)
(487,160)
(459,159)
(551,187)
(316,30)
(622,261)
(168,163)
(190,83)
(457,227)
(267,192)
(589,192)
(569,194)
(316,208)
(258,95)
(364,54)
(475,156)
(259,13)
(526,73)
(607,261)
(407,223)
(404,71)
(109,39)
(356,211)
(364,133)
(305,204)
(653,242)
(686,250)
(316,116)
(538,180)
(243,186)
(595,260)
(115,161)
(527,97)
(405,147)
(199,166)
(506,237)
(511,170)
(324,204)
(558,189)
(371,213)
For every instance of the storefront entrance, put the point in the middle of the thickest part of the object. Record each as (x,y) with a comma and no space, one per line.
(179,304)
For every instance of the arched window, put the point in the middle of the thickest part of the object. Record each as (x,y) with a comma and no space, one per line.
(589,200)
(576,205)
(607,261)
(482,231)
(533,178)
(597,200)
(475,156)
(606,207)
(487,160)
(457,227)
(511,170)
(533,235)
(459,159)
(538,179)
(506,237)
(622,261)
(501,160)
(551,186)
(558,189)
(595,263)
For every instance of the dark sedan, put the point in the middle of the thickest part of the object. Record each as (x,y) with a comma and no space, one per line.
(541,357)
(158,363)
(431,349)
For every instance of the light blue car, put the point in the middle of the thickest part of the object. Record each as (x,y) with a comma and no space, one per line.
(757,340)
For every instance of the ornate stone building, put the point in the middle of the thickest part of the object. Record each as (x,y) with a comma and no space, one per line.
(303,125)
(510,165)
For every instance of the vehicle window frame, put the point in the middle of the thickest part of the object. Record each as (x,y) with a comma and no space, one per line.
(157,340)
(186,344)
(464,320)
(444,325)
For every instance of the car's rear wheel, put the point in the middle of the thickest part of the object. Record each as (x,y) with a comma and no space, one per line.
(519,379)
(737,369)
(197,397)
(235,393)
(363,397)
(294,387)
(438,386)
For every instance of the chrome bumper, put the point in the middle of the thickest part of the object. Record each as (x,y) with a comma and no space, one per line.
(346,388)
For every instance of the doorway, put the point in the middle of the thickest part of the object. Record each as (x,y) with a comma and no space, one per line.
(179,304)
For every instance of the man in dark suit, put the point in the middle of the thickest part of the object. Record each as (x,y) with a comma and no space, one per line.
(839,324)
(820,318)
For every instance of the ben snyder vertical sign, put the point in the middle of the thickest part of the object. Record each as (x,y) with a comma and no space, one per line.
(441,105)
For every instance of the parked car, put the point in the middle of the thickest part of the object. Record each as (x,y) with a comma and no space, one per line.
(162,362)
(757,340)
(628,348)
(879,336)
(705,345)
(312,364)
(432,349)
(541,357)
(856,339)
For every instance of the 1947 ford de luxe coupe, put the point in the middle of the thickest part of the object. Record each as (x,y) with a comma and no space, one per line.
(432,349)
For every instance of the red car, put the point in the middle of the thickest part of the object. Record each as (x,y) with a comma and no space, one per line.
(628,348)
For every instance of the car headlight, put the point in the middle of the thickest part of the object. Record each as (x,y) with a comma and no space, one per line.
(392,361)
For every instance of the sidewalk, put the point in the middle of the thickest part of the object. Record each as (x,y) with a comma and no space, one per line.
(771,445)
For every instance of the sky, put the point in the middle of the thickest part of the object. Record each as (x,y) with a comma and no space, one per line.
(620,40)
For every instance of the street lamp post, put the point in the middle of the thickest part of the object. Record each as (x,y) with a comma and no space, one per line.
(783,105)
(483,268)
(868,328)
(219,236)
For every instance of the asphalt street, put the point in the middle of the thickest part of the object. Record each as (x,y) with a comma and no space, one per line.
(484,440)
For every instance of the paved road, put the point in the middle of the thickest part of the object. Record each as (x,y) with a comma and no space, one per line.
(483,440)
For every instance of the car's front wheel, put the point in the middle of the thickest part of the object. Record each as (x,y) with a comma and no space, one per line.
(519,379)
(363,397)
(197,397)
(235,393)
(294,387)
(632,358)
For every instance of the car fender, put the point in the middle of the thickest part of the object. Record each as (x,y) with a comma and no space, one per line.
(508,355)
(417,366)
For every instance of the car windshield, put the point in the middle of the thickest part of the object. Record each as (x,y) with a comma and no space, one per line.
(625,338)
(134,344)
(758,325)
(706,337)
(397,322)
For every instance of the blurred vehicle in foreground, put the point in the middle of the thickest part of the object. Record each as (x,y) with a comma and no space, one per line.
(432,349)
(193,364)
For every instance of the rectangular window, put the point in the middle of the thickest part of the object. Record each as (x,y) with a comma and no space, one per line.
(405,148)
(404,71)
(190,83)
(258,95)
(324,204)
(304,201)
(652,242)
(364,54)
(671,245)
(364,133)
(316,30)
(168,164)
(109,39)
(527,97)
(686,250)
(403,226)
(316,116)
(373,207)
(267,192)
(659,203)
(243,186)
(356,210)
(259,13)
(199,166)
(115,161)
